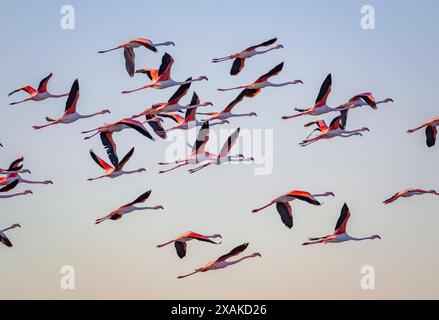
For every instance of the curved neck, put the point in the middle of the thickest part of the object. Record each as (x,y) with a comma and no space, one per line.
(361,239)
(279,84)
(321,195)
(131,171)
(240,259)
(83,116)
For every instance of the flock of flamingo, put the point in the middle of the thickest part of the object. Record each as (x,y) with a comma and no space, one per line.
(200,158)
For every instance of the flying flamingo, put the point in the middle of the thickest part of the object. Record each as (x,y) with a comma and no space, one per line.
(130,207)
(263,82)
(409,193)
(156,124)
(189,121)
(15,166)
(180,242)
(37,95)
(223,156)
(430,131)
(284,208)
(337,128)
(161,78)
(340,234)
(128,50)
(10,187)
(223,262)
(173,104)
(4,239)
(362,99)
(11,177)
(250,52)
(320,106)
(106,133)
(198,154)
(70,115)
(117,170)
(227,112)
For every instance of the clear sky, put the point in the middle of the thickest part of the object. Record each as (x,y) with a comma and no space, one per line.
(119,259)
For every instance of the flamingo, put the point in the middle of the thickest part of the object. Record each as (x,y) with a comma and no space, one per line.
(189,121)
(161,78)
(106,133)
(362,99)
(409,193)
(337,128)
(128,50)
(130,207)
(263,82)
(13,176)
(223,155)
(284,208)
(10,187)
(180,242)
(320,106)
(37,95)
(223,262)
(117,170)
(340,234)
(227,112)
(198,154)
(15,166)
(70,115)
(156,124)
(430,131)
(239,57)
(4,239)
(173,104)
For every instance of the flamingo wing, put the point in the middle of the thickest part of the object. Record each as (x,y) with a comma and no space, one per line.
(342,221)
(42,87)
(237,66)
(100,162)
(392,198)
(5,240)
(263,44)
(145,43)
(276,70)
(152,74)
(335,123)
(130,56)
(304,196)
(73,98)
(181,248)
(110,147)
(174,117)
(192,112)
(431,133)
(229,144)
(165,67)
(199,237)
(237,100)
(126,158)
(156,126)
(324,92)
(142,198)
(202,138)
(138,126)
(320,123)
(10,186)
(28,89)
(366,97)
(232,253)
(286,213)
(180,93)
(15,165)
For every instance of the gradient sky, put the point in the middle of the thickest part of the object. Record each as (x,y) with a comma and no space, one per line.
(119,260)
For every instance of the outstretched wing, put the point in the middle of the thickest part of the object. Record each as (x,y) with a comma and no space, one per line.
(271,73)
(324,92)
(5,241)
(263,44)
(15,165)
(366,97)
(340,227)
(237,100)
(202,138)
(174,117)
(145,43)
(180,93)
(431,133)
(286,213)
(28,89)
(73,98)
(126,158)
(138,126)
(180,246)
(165,67)
(10,186)
(110,147)
(232,253)
(151,73)
(100,162)
(229,144)
(335,123)
(140,199)
(129,60)
(156,125)
(304,196)
(42,87)
(237,66)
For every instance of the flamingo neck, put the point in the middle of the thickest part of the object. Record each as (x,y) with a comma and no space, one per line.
(360,239)
(229,263)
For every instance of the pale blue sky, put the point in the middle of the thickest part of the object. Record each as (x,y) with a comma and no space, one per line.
(119,260)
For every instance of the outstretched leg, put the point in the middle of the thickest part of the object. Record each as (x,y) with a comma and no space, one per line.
(187,275)
(216,60)
(173,168)
(138,89)
(18,102)
(199,168)
(46,125)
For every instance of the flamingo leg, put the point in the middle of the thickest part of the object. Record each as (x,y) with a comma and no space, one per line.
(187,275)
(173,168)
(18,102)
(138,89)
